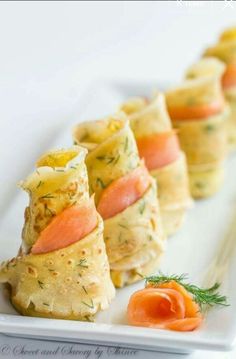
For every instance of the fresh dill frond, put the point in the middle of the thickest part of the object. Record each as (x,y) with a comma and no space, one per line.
(202,296)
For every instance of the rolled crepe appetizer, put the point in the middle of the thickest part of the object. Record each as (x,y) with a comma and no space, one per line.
(125,196)
(199,113)
(62,270)
(225,50)
(158,144)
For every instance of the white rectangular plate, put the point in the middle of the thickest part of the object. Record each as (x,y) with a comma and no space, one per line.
(191,250)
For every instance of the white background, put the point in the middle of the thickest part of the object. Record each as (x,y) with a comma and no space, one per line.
(51,51)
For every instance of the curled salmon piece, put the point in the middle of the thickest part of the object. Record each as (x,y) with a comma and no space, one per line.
(68,227)
(166,306)
(123,192)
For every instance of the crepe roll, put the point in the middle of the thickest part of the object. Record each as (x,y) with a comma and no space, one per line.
(62,270)
(225,50)
(199,114)
(159,146)
(125,196)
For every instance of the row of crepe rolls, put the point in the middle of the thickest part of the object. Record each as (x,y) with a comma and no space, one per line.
(203,111)
(76,247)
(83,235)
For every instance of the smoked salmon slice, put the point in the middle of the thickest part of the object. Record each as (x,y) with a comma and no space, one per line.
(167,306)
(196,112)
(229,77)
(159,150)
(123,192)
(68,227)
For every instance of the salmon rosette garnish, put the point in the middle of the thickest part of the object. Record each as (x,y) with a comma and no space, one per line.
(125,196)
(225,50)
(170,303)
(199,113)
(62,269)
(159,146)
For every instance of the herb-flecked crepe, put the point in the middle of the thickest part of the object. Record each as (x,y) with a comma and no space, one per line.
(71,281)
(225,50)
(133,236)
(156,141)
(199,113)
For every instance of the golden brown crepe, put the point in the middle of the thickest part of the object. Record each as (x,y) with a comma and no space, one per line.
(133,237)
(72,282)
(149,118)
(202,139)
(225,50)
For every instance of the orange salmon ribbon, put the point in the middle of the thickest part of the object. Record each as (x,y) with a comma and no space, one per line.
(229,77)
(159,150)
(123,192)
(197,112)
(68,227)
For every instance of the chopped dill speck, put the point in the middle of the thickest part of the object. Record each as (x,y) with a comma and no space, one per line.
(82,263)
(71,195)
(46,304)
(116,160)
(48,195)
(209,128)
(122,225)
(59,170)
(100,183)
(120,236)
(41,284)
(91,306)
(39,184)
(142,207)
(200,185)
(107,159)
(126,144)
(49,211)
(84,289)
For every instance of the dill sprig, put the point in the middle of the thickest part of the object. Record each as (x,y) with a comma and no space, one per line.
(203,296)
